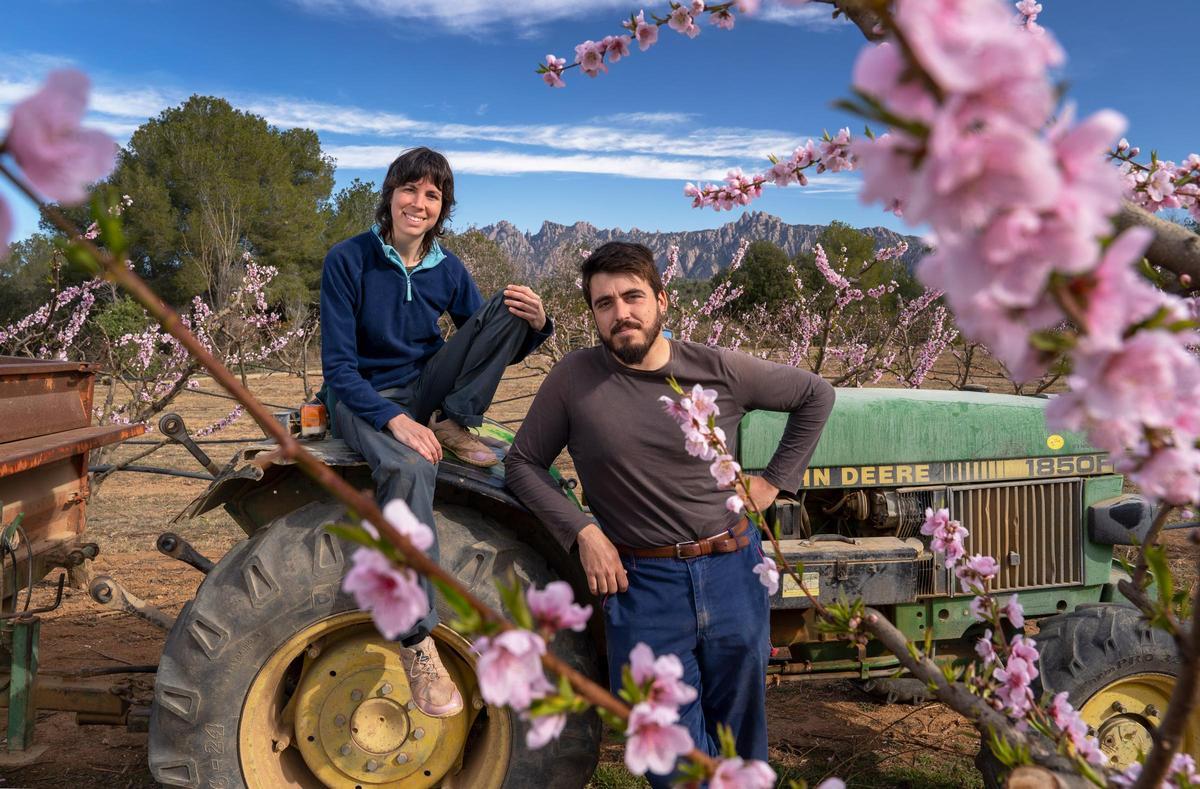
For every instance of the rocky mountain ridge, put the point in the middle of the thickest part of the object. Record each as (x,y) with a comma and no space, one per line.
(701,252)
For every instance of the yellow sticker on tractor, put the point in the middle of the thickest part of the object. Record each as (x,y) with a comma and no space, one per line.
(1054,441)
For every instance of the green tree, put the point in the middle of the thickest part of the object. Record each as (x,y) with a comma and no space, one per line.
(763,278)
(852,254)
(210,182)
(351,212)
(490,267)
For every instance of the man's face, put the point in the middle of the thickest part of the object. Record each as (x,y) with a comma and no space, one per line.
(415,210)
(628,315)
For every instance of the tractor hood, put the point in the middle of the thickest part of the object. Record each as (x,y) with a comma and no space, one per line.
(904,426)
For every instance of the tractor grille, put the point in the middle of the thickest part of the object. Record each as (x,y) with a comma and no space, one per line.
(1032,529)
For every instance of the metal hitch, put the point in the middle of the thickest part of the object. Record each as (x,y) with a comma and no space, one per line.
(107,592)
(176,547)
(172,427)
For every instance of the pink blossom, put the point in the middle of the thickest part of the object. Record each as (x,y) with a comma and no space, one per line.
(878,70)
(723,20)
(393,595)
(682,22)
(1015,613)
(646,34)
(397,513)
(510,669)
(1117,289)
(724,470)
(554,608)
(947,534)
(832,783)
(1025,649)
(974,574)
(1013,691)
(768,574)
(665,675)
(1171,474)
(737,773)
(985,649)
(702,403)
(543,729)
(590,57)
(616,47)
(980,608)
(676,410)
(553,74)
(655,739)
(57,155)
(734,503)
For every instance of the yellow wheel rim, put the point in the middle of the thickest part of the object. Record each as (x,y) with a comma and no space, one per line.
(1123,714)
(331,707)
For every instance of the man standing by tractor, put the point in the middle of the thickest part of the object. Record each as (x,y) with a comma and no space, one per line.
(674,566)
(399,392)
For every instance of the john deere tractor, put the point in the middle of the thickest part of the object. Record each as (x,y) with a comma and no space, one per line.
(271,677)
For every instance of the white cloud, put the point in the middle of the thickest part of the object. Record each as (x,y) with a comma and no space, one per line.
(652,118)
(469,16)
(503,162)
(814,16)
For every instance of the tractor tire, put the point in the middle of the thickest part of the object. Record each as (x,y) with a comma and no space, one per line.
(248,692)
(1116,670)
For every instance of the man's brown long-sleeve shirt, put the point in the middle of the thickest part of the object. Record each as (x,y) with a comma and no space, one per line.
(643,488)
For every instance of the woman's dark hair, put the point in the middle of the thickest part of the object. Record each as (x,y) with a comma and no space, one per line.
(413,165)
(621,257)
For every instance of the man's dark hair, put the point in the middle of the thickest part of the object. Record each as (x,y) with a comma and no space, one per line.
(621,257)
(417,164)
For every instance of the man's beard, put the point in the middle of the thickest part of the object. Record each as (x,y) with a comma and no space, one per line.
(633,352)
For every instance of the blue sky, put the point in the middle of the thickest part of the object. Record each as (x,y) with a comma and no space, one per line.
(373,77)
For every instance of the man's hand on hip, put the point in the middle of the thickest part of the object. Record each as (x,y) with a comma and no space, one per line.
(601,562)
(762,493)
(416,437)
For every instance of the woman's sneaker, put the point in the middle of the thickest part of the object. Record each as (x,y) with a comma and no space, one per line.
(433,691)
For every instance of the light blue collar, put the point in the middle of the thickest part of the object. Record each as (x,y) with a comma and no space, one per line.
(431,259)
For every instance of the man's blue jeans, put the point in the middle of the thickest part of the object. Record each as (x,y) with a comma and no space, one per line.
(712,613)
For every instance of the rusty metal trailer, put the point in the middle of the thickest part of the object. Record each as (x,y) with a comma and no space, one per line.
(46,435)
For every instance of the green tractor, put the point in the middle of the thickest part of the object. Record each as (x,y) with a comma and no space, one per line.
(271,677)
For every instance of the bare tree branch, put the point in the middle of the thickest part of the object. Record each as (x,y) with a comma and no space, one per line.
(1174,248)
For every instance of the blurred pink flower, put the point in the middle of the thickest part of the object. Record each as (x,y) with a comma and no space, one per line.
(676,410)
(6,224)
(985,649)
(768,574)
(617,47)
(1117,289)
(1171,474)
(655,739)
(734,503)
(554,608)
(665,675)
(736,773)
(510,669)
(397,513)
(393,595)
(57,155)
(1015,613)
(543,729)
(723,19)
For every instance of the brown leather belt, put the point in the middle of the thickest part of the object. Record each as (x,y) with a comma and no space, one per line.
(732,539)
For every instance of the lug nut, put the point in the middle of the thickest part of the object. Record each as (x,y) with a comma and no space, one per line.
(402,759)
(411,705)
(345,750)
(418,733)
(477,703)
(339,720)
(1118,706)
(372,765)
(356,695)
(313,652)
(1151,711)
(386,689)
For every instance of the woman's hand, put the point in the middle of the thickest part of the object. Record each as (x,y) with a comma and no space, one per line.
(525,304)
(416,437)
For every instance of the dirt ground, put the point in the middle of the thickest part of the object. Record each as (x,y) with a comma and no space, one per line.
(816,729)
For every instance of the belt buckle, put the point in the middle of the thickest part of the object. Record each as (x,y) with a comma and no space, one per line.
(679,545)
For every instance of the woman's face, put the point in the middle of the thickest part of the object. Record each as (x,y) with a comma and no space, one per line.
(416,207)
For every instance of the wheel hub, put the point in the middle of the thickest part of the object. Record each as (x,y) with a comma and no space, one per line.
(1124,737)
(355,719)
(1124,714)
